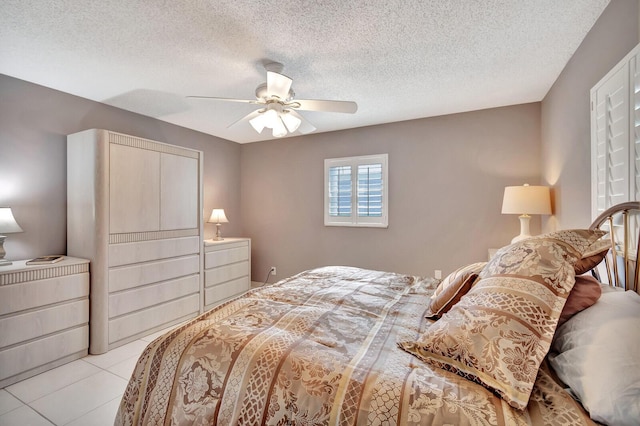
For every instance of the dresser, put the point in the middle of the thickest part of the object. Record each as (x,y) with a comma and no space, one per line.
(44,317)
(227,269)
(134,208)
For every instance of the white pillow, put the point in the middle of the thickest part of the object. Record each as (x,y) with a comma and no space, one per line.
(597,354)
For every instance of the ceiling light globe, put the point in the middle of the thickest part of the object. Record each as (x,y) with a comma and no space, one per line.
(270,118)
(291,121)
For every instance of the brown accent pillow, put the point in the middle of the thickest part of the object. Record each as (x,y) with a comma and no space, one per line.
(452,288)
(585,293)
(596,252)
(499,333)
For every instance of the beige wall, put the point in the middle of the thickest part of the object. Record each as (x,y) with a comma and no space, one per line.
(446,175)
(566,135)
(34,122)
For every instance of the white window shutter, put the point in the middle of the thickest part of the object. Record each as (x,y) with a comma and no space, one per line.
(613,155)
(634,124)
(356,191)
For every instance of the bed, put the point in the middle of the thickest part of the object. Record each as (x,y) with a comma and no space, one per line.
(343,345)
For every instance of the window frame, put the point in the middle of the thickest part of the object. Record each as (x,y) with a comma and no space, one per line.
(353,220)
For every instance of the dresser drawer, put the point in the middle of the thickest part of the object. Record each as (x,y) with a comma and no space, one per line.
(226,254)
(22,358)
(34,294)
(220,292)
(33,324)
(226,273)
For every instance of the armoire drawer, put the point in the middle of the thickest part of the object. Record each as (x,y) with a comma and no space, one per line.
(132,276)
(144,251)
(125,302)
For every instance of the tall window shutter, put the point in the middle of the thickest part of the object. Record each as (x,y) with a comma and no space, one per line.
(634,125)
(370,190)
(340,191)
(615,136)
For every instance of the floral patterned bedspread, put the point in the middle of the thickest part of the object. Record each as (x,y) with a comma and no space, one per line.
(318,348)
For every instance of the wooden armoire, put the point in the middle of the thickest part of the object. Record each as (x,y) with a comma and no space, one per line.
(134,208)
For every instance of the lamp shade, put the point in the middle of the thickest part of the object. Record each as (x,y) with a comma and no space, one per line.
(8,223)
(526,199)
(218,216)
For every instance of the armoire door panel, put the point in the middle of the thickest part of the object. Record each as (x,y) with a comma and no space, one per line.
(178,192)
(133,189)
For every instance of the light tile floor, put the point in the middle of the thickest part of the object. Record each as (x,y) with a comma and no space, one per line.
(85,392)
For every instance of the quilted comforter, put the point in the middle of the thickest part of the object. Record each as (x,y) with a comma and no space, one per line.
(319,348)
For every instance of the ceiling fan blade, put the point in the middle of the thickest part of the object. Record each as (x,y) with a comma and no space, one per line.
(278,85)
(245,101)
(247,117)
(325,106)
(305,127)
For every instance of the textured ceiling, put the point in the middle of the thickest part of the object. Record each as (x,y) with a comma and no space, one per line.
(399,60)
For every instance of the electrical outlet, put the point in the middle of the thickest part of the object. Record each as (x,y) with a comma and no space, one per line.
(437,274)
(273,271)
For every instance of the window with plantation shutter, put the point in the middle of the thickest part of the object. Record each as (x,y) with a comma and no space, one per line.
(355,191)
(615,135)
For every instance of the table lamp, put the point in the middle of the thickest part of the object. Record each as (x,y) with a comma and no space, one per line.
(8,225)
(526,200)
(218,217)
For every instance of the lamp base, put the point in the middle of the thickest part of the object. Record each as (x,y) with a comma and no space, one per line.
(3,261)
(218,236)
(524,229)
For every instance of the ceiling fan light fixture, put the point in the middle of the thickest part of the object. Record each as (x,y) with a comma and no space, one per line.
(258,123)
(291,121)
(270,118)
(279,129)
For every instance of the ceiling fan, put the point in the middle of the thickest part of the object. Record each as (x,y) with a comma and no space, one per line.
(278,110)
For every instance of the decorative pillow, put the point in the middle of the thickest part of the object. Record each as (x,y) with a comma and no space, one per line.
(500,331)
(452,288)
(585,293)
(596,354)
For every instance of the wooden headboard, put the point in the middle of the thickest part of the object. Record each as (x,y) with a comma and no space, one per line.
(622,221)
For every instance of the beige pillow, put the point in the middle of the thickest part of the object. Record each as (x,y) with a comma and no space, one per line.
(499,333)
(452,288)
(590,243)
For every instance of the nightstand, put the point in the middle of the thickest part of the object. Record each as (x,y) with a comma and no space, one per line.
(44,317)
(227,269)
